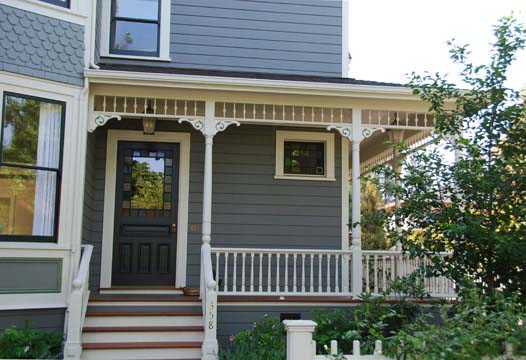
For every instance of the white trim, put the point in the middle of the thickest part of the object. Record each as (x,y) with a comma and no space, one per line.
(139,292)
(345,38)
(76,14)
(164,38)
(345,193)
(326,138)
(109,198)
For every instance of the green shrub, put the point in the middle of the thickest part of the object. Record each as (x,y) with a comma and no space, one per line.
(28,343)
(265,341)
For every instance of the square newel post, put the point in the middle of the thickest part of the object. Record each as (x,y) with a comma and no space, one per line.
(299,339)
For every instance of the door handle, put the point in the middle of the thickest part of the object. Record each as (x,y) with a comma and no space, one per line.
(173,228)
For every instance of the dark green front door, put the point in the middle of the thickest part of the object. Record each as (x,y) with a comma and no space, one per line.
(145,235)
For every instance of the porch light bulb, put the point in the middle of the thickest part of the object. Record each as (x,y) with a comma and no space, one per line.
(148,125)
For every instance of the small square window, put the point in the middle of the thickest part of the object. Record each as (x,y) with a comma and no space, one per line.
(304,155)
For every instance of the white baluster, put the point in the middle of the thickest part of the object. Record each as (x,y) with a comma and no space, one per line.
(175,107)
(217,270)
(337,271)
(328,272)
(104,103)
(269,288)
(286,272)
(185,108)
(195,108)
(165,106)
(303,273)
(125,104)
(234,274)
(155,106)
(260,272)
(311,273)
(320,258)
(243,273)
(135,105)
(384,278)
(251,272)
(278,255)
(367,273)
(376,274)
(294,287)
(226,272)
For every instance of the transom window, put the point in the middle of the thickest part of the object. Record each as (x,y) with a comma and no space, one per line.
(135,27)
(30,167)
(304,155)
(63,3)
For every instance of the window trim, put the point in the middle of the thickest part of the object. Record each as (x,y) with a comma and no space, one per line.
(76,13)
(63,4)
(305,136)
(163,44)
(58,171)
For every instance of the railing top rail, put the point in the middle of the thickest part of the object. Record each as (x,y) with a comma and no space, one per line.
(80,279)
(395,252)
(281,251)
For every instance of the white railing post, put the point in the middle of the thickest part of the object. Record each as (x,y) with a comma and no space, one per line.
(356,232)
(299,339)
(77,304)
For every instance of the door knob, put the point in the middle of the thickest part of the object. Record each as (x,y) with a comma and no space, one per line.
(174,227)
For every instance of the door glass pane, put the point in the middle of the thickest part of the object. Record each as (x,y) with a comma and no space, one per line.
(27,201)
(135,36)
(304,158)
(31,132)
(146,183)
(137,9)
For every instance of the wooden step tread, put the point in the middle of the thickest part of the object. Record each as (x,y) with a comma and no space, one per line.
(143,298)
(143,313)
(143,345)
(141,328)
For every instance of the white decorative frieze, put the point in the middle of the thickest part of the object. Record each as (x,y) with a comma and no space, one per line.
(209,127)
(368,131)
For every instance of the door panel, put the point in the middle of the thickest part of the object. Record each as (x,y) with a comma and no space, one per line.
(145,232)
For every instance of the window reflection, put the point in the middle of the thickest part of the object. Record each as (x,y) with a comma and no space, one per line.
(147,183)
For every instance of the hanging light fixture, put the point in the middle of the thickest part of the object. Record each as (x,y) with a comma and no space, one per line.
(148,123)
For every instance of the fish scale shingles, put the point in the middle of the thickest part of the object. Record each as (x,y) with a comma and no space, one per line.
(40,46)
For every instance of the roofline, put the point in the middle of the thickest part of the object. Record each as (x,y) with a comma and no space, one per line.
(206,82)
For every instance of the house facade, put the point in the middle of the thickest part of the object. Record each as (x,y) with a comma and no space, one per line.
(151,146)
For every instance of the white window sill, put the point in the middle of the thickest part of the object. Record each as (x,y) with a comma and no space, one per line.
(32,246)
(132,57)
(304,177)
(50,10)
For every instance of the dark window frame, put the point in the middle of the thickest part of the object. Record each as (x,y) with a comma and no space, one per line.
(58,171)
(113,23)
(64,4)
(325,170)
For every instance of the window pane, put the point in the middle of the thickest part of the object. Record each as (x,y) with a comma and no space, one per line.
(304,158)
(27,201)
(137,9)
(63,3)
(31,132)
(135,36)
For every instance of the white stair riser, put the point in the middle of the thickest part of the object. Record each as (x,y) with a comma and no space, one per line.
(122,304)
(154,336)
(143,321)
(125,354)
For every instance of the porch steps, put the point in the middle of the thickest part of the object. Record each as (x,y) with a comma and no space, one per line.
(139,326)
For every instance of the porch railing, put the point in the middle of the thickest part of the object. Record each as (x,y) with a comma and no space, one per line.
(77,306)
(380,268)
(209,303)
(249,271)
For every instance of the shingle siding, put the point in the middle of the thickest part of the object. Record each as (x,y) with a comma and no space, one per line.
(40,46)
(300,37)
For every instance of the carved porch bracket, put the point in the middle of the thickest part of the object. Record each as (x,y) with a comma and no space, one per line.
(344,130)
(209,127)
(100,120)
(368,131)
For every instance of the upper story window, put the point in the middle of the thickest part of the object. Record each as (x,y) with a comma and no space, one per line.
(30,168)
(137,29)
(63,3)
(304,155)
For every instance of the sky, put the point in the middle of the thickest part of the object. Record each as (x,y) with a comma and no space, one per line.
(391,38)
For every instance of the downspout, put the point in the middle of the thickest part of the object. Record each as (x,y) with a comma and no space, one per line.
(92,64)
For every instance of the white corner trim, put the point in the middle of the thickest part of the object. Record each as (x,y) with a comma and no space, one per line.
(345,193)
(74,15)
(345,38)
(327,138)
(109,198)
(164,38)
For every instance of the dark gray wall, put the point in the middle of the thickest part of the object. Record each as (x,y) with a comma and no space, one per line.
(44,319)
(270,36)
(40,46)
(250,207)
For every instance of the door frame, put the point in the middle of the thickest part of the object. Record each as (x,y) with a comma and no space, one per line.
(114,136)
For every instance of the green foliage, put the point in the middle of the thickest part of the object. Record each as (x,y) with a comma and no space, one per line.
(148,187)
(265,341)
(29,344)
(475,208)
(476,327)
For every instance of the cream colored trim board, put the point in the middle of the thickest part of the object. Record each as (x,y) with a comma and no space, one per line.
(326,138)
(76,14)
(345,193)
(109,198)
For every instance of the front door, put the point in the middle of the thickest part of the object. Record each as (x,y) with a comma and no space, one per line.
(145,236)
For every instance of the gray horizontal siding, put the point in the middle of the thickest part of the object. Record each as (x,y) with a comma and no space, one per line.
(250,207)
(40,46)
(300,37)
(43,319)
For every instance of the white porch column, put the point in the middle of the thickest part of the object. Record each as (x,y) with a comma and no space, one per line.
(356,228)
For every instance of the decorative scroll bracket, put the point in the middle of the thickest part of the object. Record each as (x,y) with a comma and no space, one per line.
(368,131)
(345,131)
(209,127)
(101,120)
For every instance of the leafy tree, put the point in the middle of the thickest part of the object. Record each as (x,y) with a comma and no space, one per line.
(475,207)
(372,207)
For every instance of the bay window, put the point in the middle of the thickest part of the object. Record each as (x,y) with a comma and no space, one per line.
(30,167)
